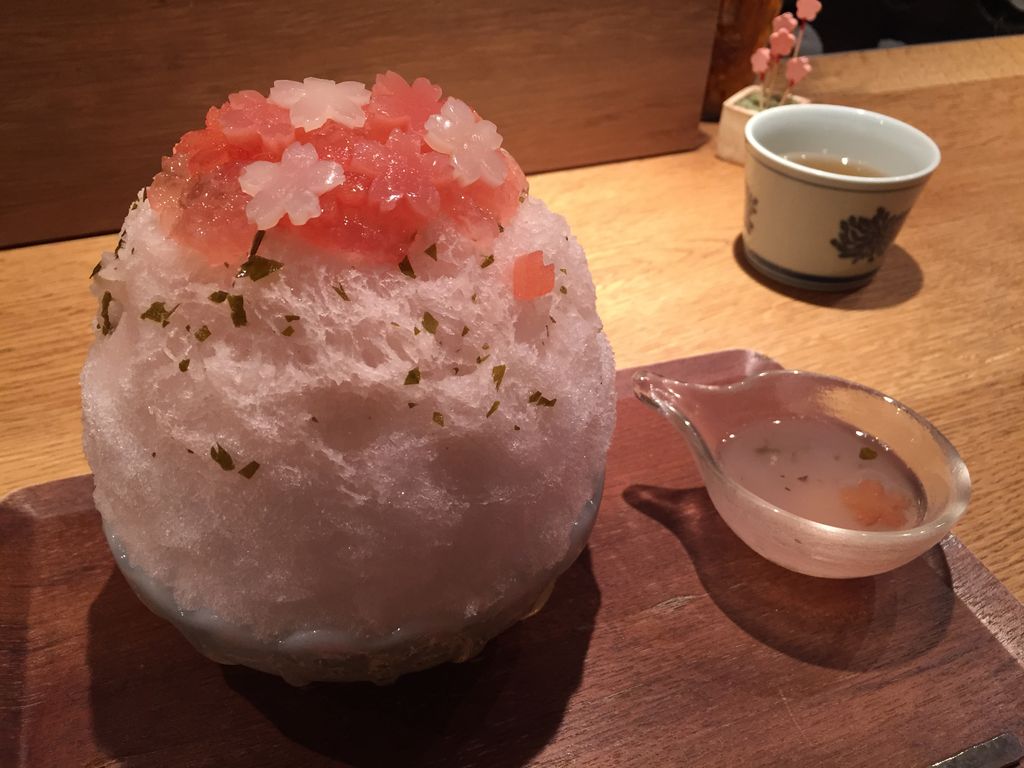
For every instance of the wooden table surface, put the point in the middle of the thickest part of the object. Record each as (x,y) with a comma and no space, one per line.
(941,327)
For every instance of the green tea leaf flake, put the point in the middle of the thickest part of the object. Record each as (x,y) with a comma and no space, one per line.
(158,313)
(413,377)
(106,329)
(563,270)
(438,419)
(465,330)
(485,347)
(338,289)
(487,261)
(218,297)
(522,196)
(473,298)
(498,375)
(431,251)
(222,457)
(96,269)
(183,365)
(119,246)
(500,229)
(257,267)
(288,331)
(429,323)
(538,399)
(515,427)
(493,408)
(256,241)
(416,331)
(868,453)
(411,405)
(562,290)
(314,419)
(249,470)
(406,268)
(290,318)
(482,359)
(237,304)
(202,334)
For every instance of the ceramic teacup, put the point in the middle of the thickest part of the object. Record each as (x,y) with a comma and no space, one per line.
(829,229)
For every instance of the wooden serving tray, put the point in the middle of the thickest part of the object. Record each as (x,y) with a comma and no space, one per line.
(668,643)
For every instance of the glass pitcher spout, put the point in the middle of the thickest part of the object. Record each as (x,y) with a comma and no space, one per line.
(686,405)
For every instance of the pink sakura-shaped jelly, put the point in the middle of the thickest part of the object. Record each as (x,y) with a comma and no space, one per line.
(290,188)
(472,144)
(314,101)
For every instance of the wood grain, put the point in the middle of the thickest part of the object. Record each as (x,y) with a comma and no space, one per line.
(667,643)
(940,328)
(97,92)
(743,26)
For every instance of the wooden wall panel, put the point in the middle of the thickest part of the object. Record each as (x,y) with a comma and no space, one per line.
(97,91)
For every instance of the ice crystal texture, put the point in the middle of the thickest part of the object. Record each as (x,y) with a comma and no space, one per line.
(369,518)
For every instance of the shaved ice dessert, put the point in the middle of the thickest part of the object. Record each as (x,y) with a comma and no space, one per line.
(349,400)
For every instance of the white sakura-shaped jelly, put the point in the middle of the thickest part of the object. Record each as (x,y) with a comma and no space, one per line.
(291,187)
(314,101)
(472,145)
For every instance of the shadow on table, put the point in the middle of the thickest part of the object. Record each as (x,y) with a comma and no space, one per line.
(156,700)
(899,280)
(851,624)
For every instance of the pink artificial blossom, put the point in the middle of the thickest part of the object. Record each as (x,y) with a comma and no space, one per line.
(806,10)
(784,21)
(781,42)
(760,60)
(797,69)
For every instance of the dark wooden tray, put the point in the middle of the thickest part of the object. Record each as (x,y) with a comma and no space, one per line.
(667,643)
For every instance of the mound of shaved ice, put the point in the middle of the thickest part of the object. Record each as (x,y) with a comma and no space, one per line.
(377,442)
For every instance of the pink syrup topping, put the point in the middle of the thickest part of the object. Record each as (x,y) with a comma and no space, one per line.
(379,166)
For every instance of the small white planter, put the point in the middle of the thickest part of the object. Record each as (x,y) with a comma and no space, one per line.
(730,144)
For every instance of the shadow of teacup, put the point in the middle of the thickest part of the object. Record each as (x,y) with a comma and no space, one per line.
(898,280)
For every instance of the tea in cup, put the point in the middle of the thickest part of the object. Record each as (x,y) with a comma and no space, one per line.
(827,190)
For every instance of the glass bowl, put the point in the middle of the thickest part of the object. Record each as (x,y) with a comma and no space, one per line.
(705,414)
